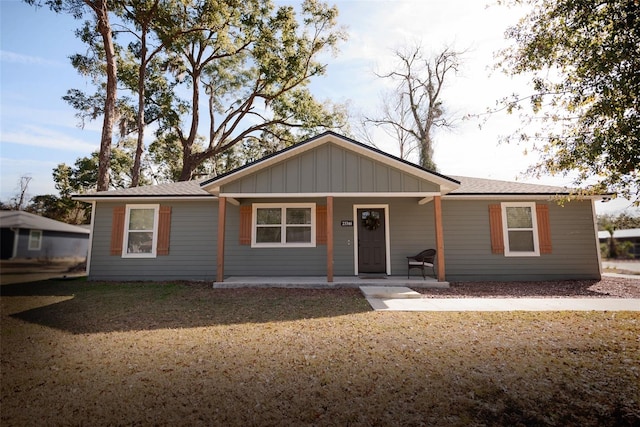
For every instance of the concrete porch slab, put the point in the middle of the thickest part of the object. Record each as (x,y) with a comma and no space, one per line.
(320,282)
(389,292)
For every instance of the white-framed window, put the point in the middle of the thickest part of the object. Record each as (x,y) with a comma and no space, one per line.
(283,224)
(140,231)
(520,229)
(35,240)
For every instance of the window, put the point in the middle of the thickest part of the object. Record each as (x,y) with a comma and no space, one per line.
(35,240)
(140,231)
(520,229)
(283,225)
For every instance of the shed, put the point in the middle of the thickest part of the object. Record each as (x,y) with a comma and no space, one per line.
(28,236)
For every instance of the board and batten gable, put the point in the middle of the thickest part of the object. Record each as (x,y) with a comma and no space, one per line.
(574,253)
(328,168)
(192,244)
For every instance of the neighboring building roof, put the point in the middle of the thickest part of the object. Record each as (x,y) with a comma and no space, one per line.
(620,234)
(184,189)
(29,221)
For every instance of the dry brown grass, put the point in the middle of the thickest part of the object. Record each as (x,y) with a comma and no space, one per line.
(182,354)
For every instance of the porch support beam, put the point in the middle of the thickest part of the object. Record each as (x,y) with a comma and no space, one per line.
(425,200)
(222,212)
(437,209)
(234,202)
(329,239)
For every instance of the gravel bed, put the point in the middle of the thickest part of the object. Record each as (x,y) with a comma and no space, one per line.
(608,287)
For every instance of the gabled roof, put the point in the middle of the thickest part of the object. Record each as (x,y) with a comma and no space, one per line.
(29,221)
(446,183)
(453,187)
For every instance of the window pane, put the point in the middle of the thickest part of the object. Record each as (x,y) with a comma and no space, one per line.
(269,216)
(141,219)
(521,241)
(519,217)
(34,239)
(299,216)
(298,234)
(140,243)
(268,235)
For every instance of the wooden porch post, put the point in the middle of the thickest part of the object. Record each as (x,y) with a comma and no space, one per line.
(437,208)
(329,239)
(222,211)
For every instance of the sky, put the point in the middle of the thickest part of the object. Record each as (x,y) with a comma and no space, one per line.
(38,130)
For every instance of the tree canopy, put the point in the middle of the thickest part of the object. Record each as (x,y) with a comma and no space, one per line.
(584,59)
(209,75)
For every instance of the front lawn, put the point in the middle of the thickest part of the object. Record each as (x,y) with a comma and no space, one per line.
(81,353)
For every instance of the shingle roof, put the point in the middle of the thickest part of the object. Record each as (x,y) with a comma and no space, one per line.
(469,186)
(171,189)
(482,186)
(26,220)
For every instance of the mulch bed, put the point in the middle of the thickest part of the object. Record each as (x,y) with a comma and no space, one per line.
(608,287)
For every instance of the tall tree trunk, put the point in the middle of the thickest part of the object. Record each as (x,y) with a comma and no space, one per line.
(104,28)
(189,163)
(135,170)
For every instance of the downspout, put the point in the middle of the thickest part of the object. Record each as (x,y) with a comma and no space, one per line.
(89,249)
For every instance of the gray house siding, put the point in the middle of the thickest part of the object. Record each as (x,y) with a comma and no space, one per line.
(412,231)
(329,168)
(468,245)
(468,256)
(192,253)
(54,244)
(243,260)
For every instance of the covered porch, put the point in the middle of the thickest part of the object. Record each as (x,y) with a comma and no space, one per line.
(327,222)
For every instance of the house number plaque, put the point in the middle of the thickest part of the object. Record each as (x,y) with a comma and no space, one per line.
(346,223)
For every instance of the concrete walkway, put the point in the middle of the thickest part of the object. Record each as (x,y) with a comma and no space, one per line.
(405,299)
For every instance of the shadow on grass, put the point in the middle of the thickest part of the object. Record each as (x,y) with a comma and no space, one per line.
(110,307)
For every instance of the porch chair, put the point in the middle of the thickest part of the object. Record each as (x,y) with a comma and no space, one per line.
(424,259)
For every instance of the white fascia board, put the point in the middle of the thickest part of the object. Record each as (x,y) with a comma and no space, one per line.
(145,199)
(445,184)
(214,187)
(549,197)
(337,195)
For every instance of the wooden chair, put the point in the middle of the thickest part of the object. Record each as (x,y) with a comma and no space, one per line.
(424,259)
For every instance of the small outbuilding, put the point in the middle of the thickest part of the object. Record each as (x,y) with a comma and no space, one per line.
(28,236)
